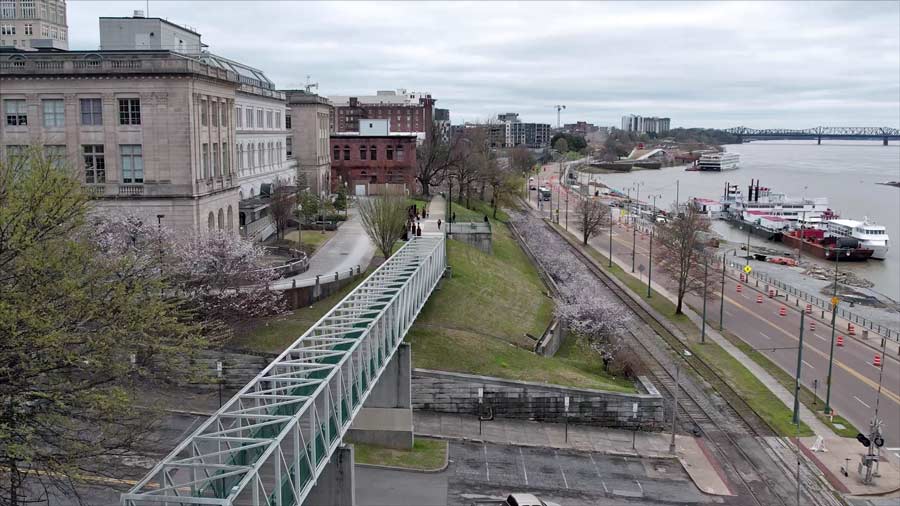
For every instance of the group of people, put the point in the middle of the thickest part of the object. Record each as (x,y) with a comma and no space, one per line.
(412,221)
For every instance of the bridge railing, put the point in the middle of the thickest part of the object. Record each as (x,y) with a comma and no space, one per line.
(269,443)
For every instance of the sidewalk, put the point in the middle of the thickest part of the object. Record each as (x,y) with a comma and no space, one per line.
(835,458)
(437,210)
(350,247)
(699,464)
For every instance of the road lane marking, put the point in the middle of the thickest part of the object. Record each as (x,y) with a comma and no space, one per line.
(808,364)
(767,337)
(487,468)
(872,384)
(640,487)
(523,465)
(556,457)
(861,402)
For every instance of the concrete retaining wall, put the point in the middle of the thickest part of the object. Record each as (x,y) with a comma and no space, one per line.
(448,392)
(304,296)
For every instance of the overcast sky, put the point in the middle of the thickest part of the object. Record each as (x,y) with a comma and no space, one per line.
(762,64)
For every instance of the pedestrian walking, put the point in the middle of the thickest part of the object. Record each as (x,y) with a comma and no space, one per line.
(418,231)
(453,217)
(485,218)
(439,223)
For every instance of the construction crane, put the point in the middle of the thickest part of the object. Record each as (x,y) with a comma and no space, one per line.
(309,85)
(558,109)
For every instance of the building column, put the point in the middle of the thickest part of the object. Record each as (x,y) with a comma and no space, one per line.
(336,485)
(386,416)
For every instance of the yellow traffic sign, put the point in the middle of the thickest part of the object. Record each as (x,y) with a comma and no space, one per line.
(834,301)
(747,269)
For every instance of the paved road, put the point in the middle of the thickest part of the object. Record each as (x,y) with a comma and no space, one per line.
(854,378)
(350,247)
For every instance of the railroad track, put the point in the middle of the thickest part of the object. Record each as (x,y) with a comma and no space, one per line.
(727,421)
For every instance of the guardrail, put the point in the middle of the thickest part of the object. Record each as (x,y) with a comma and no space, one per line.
(823,304)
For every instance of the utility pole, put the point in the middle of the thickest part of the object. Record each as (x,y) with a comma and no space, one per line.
(722,304)
(796,418)
(705,288)
(650,263)
(686,354)
(875,425)
(749,228)
(610,236)
(834,304)
(634,225)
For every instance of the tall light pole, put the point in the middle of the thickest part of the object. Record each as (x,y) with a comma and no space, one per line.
(834,304)
(634,225)
(705,289)
(686,355)
(610,236)
(558,109)
(796,418)
(722,304)
(650,263)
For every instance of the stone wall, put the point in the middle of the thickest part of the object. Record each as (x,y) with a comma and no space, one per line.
(448,392)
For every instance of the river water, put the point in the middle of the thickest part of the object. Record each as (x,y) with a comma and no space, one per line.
(844,171)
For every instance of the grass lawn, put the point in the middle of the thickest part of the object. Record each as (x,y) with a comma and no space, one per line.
(425,455)
(476,323)
(312,239)
(275,334)
(738,377)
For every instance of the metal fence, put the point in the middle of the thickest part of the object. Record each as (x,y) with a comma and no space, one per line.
(824,304)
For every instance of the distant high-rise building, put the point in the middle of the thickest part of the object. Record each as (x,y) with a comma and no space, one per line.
(33,24)
(410,112)
(644,125)
(517,133)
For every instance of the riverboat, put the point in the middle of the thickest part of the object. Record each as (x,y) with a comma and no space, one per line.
(869,235)
(815,242)
(718,162)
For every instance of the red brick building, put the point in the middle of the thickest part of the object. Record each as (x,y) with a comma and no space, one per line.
(367,163)
(407,112)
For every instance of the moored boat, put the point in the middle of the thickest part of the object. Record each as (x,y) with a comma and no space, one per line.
(813,241)
(870,235)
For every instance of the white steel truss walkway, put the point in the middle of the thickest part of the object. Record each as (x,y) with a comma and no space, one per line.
(269,443)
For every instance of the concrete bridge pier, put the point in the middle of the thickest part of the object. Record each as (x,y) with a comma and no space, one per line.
(336,485)
(820,141)
(386,417)
(884,142)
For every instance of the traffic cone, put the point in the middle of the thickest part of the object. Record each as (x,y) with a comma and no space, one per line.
(759,299)
(739,288)
(851,329)
(771,293)
(809,309)
(877,361)
(812,326)
(840,340)
(782,311)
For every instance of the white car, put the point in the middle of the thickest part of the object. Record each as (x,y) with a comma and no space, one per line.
(526,500)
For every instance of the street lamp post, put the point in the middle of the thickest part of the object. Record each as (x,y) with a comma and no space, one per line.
(834,301)
(650,263)
(749,229)
(796,418)
(634,224)
(722,303)
(705,289)
(610,236)
(686,354)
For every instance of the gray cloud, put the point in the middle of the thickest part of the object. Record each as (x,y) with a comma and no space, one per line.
(761,64)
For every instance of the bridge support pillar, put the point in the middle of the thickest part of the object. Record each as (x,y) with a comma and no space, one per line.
(884,142)
(386,416)
(336,484)
(819,140)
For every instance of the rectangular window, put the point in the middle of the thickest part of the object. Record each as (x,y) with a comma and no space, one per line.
(132,163)
(56,154)
(269,123)
(15,112)
(27,7)
(346,152)
(8,30)
(250,158)
(204,113)
(373,153)
(238,117)
(205,160)
(249,118)
(389,153)
(259,118)
(287,121)
(91,111)
(7,9)
(225,157)
(94,163)
(29,29)
(289,146)
(54,113)
(215,113)
(400,153)
(130,111)
(261,153)
(278,120)
(215,159)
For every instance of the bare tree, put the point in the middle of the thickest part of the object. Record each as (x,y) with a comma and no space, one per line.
(384,219)
(282,206)
(592,215)
(433,159)
(473,158)
(680,241)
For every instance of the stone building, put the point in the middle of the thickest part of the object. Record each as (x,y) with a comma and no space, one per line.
(28,24)
(370,164)
(310,119)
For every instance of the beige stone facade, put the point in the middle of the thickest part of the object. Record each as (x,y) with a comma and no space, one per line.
(311,119)
(151,132)
(25,24)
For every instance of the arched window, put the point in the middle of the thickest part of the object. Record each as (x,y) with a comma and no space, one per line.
(211,222)
(221,219)
(373,153)
(346,152)
(400,155)
(362,152)
(261,153)
(252,192)
(241,195)
(337,152)
(389,153)
(230,217)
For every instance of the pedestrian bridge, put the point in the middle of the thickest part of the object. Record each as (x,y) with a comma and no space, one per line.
(269,443)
